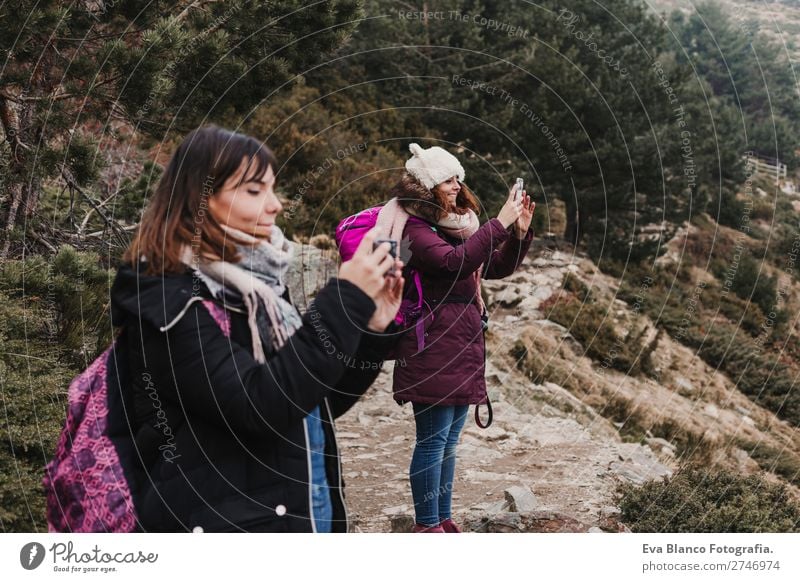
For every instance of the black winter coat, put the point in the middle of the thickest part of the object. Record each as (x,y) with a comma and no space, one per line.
(221,440)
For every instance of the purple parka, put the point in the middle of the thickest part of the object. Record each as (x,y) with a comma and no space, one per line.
(451,366)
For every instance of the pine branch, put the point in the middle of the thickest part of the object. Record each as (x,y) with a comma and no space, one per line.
(66,174)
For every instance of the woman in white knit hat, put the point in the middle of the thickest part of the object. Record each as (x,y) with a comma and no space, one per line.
(443,351)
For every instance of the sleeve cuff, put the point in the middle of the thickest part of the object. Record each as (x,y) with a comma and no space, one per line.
(375,347)
(500,230)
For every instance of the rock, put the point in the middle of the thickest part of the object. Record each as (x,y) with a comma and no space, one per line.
(559,257)
(508,297)
(520,499)
(638,464)
(505,523)
(395,510)
(657,443)
(490,508)
(494,395)
(667,452)
(610,511)
(595,529)
(401,523)
(683,384)
(495,433)
(608,519)
(711,411)
(493,379)
(547,521)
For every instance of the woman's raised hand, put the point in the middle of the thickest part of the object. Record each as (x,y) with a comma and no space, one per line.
(526,215)
(366,268)
(512,209)
(388,301)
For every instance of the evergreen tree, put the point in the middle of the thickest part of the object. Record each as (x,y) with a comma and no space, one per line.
(72,68)
(750,73)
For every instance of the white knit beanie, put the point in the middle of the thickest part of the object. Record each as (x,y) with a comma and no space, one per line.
(433,165)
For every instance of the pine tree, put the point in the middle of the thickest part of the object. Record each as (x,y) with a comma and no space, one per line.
(74,69)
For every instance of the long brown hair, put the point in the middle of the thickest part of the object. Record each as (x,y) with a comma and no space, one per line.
(177,215)
(431,204)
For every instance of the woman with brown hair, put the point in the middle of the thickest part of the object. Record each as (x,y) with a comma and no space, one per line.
(233,393)
(444,353)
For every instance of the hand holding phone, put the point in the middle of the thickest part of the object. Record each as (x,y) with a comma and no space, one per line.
(392,252)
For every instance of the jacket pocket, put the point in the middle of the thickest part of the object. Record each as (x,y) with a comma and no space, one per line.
(264,510)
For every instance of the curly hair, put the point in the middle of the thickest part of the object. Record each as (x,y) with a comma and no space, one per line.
(431,204)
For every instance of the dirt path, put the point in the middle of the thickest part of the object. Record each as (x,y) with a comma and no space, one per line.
(571,468)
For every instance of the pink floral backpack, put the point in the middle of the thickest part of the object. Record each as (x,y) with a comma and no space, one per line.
(86,483)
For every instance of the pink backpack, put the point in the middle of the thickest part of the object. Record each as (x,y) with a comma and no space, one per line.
(349,233)
(85,484)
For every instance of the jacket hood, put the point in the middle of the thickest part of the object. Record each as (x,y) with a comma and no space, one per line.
(158,299)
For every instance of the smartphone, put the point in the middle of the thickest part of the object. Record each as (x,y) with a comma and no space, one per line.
(520,188)
(392,251)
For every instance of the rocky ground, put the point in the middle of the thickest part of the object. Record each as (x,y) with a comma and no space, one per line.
(551,461)
(556,472)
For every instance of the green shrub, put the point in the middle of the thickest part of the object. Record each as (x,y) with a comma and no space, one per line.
(72,290)
(588,323)
(540,369)
(750,281)
(695,500)
(574,285)
(628,419)
(726,208)
(781,462)
(725,346)
(690,446)
(33,389)
(55,321)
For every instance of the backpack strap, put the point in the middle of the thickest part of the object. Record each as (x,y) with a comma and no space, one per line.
(420,324)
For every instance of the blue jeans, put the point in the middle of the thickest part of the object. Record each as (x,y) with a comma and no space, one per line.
(321,506)
(433,464)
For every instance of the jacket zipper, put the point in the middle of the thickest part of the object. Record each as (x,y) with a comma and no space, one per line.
(181,314)
(310,478)
(186,308)
(339,464)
